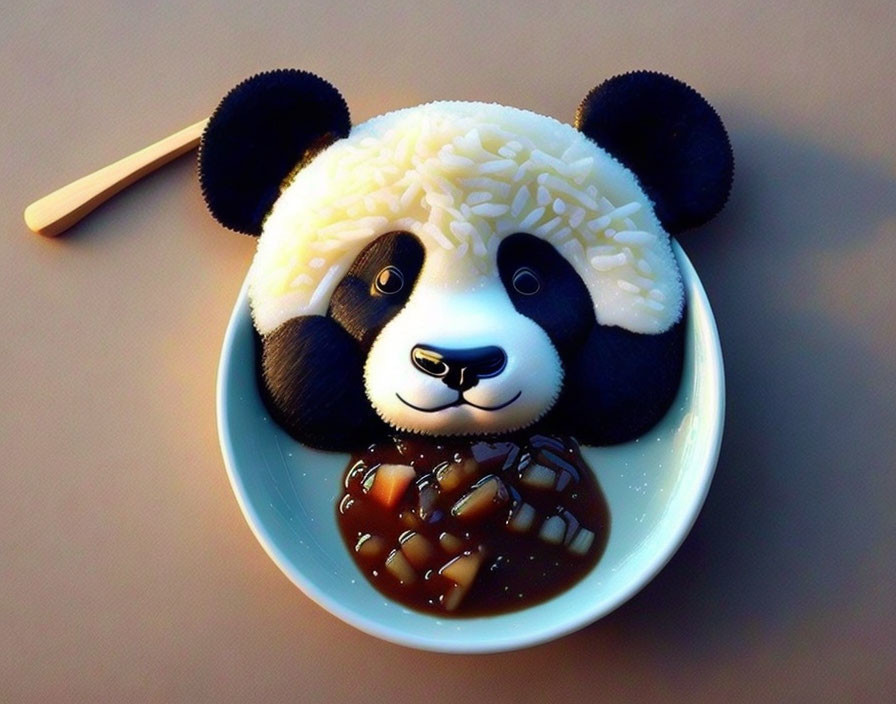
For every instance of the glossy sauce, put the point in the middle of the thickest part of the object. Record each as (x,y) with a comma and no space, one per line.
(473,526)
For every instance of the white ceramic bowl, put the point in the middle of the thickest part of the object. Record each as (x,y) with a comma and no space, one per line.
(655,487)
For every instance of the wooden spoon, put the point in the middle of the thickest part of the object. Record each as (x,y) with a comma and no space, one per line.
(58,211)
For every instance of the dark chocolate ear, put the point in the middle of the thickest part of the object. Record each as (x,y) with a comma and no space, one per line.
(262,130)
(670,137)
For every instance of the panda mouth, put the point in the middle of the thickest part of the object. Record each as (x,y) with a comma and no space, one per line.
(459,401)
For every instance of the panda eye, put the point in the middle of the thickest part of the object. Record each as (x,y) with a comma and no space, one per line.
(526,282)
(389,281)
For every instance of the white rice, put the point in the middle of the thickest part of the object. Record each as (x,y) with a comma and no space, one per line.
(461,176)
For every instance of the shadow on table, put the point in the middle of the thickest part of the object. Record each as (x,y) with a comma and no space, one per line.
(795,526)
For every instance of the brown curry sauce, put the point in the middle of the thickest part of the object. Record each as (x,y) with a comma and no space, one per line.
(473,526)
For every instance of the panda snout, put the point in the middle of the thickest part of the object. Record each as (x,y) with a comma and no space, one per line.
(455,361)
(459,368)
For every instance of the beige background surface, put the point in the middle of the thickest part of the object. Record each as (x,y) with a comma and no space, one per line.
(126,568)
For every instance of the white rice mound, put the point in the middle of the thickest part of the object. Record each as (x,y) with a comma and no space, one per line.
(461,176)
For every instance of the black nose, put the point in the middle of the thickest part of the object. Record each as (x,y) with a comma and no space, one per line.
(459,369)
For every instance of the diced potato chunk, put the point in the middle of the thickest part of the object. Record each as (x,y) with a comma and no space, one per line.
(417,549)
(487,495)
(462,571)
(400,568)
(582,542)
(546,441)
(553,530)
(452,475)
(522,519)
(427,499)
(563,480)
(450,543)
(367,480)
(390,483)
(463,568)
(409,519)
(556,461)
(493,457)
(452,598)
(566,471)
(537,476)
(370,546)
(572,526)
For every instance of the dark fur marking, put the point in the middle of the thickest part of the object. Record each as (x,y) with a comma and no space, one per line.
(356,304)
(312,372)
(617,383)
(260,132)
(620,384)
(670,137)
(562,306)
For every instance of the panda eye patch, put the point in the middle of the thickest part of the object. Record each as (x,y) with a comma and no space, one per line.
(378,284)
(544,286)
(389,280)
(526,281)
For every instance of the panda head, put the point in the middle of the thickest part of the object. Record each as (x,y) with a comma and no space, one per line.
(465,268)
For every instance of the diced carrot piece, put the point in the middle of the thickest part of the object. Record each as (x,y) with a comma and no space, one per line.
(390,483)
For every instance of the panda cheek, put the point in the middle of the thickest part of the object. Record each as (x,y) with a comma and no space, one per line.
(536,370)
(521,393)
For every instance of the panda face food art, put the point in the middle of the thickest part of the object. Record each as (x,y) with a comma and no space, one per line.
(533,282)
(462,177)
(466,290)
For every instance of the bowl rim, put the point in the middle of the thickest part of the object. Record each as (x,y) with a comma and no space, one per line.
(707,460)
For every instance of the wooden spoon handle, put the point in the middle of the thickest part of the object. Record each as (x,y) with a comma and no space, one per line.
(61,209)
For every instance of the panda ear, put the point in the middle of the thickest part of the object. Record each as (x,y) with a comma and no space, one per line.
(670,137)
(262,130)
